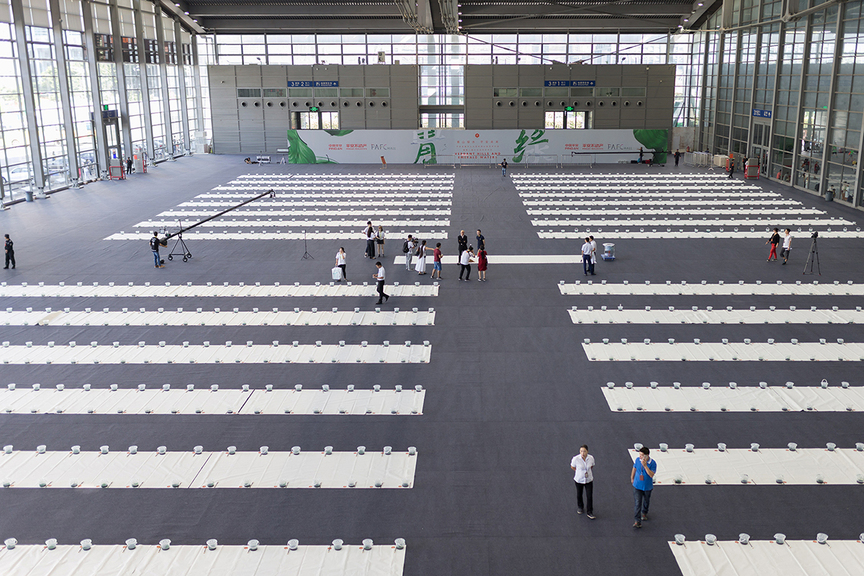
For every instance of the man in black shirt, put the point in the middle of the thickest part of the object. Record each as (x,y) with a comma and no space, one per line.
(10,253)
(154,246)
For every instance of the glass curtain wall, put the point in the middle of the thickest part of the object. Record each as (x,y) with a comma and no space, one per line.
(15,165)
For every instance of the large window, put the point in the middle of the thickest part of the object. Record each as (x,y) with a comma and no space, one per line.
(568,120)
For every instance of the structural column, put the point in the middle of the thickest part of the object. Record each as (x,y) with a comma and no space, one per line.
(120,71)
(63,84)
(196,74)
(163,73)
(29,100)
(142,73)
(835,69)
(181,84)
(95,92)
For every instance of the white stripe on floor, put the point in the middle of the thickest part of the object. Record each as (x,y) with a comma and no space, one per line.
(738,399)
(598,195)
(712,222)
(255,211)
(767,204)
(767,558)
(690,235)
(278,235)
(205,401)
(705,289)
(66,560)
(717,351)
(210,290)
(218,354)
(238,317)
(502,259)
(276,223)
(710,316)
(763,467)
(319,203)
(670,212)
(187,469)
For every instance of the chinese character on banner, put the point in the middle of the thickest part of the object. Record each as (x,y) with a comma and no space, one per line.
(523,140)
(426,154)
(428,135)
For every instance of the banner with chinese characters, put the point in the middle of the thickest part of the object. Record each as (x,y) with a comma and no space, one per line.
(433,146)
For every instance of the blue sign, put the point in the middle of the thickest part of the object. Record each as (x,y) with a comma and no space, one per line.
(557,83)
(761,113)
(311,84)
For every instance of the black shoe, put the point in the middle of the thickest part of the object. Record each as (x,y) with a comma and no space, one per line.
(386,298)
(378,302)
(591,516)
(645,516)
(578,511)
(637,525)
(5,267)
(784,262)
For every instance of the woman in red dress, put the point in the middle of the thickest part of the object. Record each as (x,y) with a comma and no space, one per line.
(482,262)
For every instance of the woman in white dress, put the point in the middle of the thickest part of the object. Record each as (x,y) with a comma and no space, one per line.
(340,263)
(421,259)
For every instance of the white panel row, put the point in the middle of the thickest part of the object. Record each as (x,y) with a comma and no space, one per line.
(688,177)
(512,259)
(698,234)
(201,317)
(288,203)
(209,290)
(758,466)
(216,354)
(225,235)
(756,221)
(272,223)
(747,210)
(770,558)
(202,469)
(360,177)
(726,351)
(408,193)
(168,560)
(737,399)
(704,288)
(247,211)
(710,316)
(598,194)
(114,400)
(767,204)
(677,190)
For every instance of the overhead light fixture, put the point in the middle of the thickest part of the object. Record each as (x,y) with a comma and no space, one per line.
(686,19)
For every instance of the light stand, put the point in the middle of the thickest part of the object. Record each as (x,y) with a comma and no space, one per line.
(813,257)
(306,255)
(185,253)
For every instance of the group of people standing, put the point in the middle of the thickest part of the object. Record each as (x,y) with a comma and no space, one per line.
(374,241)
(589,255)
(467,255)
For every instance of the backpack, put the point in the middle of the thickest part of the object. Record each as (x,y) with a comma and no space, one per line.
(405,247)
(154,243)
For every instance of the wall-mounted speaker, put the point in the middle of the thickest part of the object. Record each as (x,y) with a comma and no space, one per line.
(626,103)
(550,104)
(563,104)
(498,103)
(614,103)
(332,104)
(345,104)
(243,104)
(295,104)
(257,104)
(384,104)
(600,103)
(308,104)
(639,103)
(359,104)
(512,103)
(269,104)
(281,104)
(575,103)
(536,103)
(524,103)
(588,103)
(371,104)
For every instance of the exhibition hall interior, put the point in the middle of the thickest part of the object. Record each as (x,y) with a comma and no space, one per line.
(439,287)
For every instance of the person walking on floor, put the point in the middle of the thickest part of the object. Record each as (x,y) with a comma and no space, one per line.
(677,156)
(408,250)
(379,276)
(370,240)
(436,261)
(787,246)
(503,166)
(340,263)
(642,478)
(583,468)
(9,249)
(774,240)
(587,265)
(465,263)
(128,165)
(421,259)
(593,253)
(641,153)
(379,241)
(731,167)
(462,241)
(154,246)
(481,241)
(482,264)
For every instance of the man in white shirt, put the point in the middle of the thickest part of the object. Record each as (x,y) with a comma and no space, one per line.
(787,245)
(583,468)
(593,252)
(379,276)
(587,264)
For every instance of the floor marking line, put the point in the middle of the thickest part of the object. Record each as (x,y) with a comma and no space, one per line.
(216,354)
(681,234)
(498,259)
(158,400)
(223,469)
(737,399)
(719,289)
(225,235)
(709,316)
(720,352)
(210,290)
(760,467)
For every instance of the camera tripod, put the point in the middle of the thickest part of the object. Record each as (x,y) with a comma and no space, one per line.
(185,253)
(813,257)
(306,255)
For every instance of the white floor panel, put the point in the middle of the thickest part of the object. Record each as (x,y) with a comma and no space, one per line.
(601,191)
(277,203)
(216,354)
(740,288)
(102,560)
(278,235)
(747,211)
(501,259)
(767,558)
(762,467)
(249,210)
(720,352)
(16,400)
(318,223)
(682,234)
(207,469)
(711,222)
(210,290)
(738,399)
(711,316)
(594,202)
(253,317)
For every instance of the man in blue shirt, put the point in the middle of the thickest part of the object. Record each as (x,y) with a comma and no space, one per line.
(642,478)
